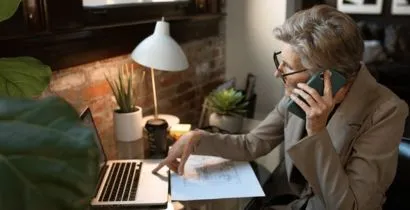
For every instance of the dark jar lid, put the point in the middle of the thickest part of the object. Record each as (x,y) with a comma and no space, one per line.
(156,124)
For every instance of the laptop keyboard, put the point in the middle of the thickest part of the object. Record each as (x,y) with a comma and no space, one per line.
(122,182)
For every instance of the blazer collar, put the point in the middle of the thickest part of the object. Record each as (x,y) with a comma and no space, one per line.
(359,98)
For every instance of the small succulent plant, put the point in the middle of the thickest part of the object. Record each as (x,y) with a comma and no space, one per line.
(227,102)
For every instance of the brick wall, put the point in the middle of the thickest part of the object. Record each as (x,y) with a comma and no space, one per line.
(179,93)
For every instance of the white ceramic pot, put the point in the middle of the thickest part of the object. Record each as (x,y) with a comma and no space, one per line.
(128,126)
(229,123)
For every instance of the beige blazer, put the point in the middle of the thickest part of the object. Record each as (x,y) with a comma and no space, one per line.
(349,165)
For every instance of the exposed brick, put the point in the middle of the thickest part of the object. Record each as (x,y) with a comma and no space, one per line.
(69,71)
(188,96)
(189,117)
(102,105)
(164,106)
(145,88)
(202,68)
(71,96)
(206,54)
(196,117)
(184,86)
(96,90)
(176,101)
(216,52)
(148,111)
(99,74)
(177,109)
(166,92)
(217,73)
(211,86)
(168,79)
(104,120)
(193,104)
(212,64)
(60,83)
(145,101)
(188,74)
(99,121)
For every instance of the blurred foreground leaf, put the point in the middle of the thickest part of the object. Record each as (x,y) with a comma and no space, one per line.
(48,158)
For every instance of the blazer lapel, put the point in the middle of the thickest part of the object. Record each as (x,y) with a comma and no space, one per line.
(346,122)
(293,133)
(342,129)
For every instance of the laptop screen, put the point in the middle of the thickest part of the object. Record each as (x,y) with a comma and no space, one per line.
(88,120)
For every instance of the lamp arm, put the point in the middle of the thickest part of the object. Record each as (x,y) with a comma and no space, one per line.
(154,94)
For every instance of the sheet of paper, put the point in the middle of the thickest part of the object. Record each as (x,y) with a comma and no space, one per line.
(208,177)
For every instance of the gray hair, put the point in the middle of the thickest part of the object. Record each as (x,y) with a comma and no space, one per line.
(324,38)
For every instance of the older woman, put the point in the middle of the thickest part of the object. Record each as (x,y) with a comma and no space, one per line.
(343,155)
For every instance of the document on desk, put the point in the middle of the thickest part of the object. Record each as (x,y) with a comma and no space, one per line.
(208,177)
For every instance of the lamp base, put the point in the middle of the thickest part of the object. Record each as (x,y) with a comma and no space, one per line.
(171,119)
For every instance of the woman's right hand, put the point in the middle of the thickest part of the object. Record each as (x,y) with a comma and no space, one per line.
(182,148)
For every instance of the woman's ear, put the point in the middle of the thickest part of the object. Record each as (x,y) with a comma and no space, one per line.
(341,93)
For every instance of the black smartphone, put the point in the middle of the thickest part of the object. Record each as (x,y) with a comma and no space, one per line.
(317,82)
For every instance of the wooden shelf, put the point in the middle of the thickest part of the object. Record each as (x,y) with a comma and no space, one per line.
(62,49)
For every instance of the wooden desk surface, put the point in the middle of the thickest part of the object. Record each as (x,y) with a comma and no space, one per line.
(135,150)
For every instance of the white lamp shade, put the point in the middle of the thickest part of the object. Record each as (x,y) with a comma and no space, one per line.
(160,51)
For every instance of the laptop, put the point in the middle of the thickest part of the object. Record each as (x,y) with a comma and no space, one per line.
(127,183)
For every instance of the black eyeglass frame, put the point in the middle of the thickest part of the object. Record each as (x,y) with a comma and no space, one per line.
(277,64)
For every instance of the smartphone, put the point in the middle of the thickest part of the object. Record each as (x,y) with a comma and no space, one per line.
(317,82)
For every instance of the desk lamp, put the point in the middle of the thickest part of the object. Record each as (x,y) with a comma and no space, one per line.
(160,52)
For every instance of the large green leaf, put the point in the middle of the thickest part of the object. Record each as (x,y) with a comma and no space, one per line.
(48,158)
(8,8)
(23,77)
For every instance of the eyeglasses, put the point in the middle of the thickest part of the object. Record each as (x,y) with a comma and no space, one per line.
(277,64)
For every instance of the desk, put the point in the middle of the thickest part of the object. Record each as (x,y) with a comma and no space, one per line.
(265,165)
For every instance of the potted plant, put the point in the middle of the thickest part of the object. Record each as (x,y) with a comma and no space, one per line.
(127,116)
(227,108)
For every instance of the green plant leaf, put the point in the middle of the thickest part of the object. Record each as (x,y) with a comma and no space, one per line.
(8,8)
(48,158)
(23,77)
(122,89)
(121,92)
(227,102)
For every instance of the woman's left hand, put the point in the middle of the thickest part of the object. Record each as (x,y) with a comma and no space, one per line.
(318,107)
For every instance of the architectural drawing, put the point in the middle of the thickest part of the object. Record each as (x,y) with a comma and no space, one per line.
(208,177)
(212,171)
